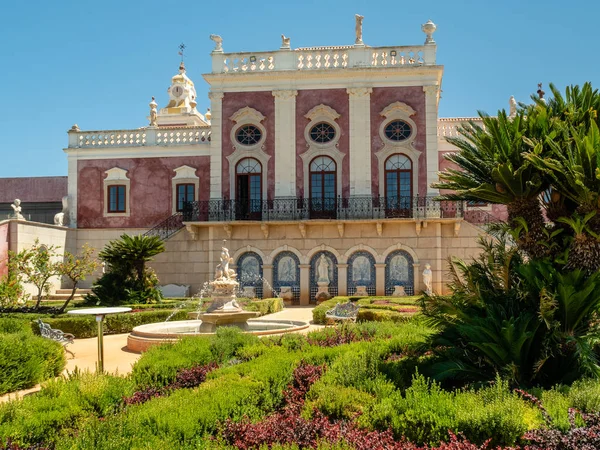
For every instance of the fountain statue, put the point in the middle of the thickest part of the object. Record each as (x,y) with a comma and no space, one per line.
(224,308)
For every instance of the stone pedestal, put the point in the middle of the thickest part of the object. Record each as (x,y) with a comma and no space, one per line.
(361,291)
(398,291)
(323,291)
(286,294)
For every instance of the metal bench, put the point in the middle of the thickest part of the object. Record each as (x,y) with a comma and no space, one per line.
(343,312)
(56,335)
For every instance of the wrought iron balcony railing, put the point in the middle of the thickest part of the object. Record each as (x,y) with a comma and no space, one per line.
(340,208)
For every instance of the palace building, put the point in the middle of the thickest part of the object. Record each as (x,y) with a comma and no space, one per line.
(304,152)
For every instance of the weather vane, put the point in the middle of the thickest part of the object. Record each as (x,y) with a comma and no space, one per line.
(181,49)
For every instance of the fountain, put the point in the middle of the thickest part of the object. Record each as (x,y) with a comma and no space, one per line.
(224,310)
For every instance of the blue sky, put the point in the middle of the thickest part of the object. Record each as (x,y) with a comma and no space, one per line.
(98,64)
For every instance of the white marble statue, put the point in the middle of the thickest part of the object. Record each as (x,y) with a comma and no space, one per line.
(218,42)
(59,218)
(16,206)
(323,270)
(153,113)
(223,271)
(358,29)
(285,41)
(513,106)
(428,279)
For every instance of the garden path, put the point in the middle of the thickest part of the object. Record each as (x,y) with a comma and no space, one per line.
(117,359)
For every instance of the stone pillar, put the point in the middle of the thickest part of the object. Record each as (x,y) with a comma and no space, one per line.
(380,279)
(216,144)
(304,284)
(417,279)
(438,265)
(342,279)
(360,140)
(431,119)
(267,280)
(285,143)
(72,188)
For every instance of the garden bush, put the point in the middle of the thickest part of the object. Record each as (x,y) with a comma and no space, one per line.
(264,306)
(26,360)
(400,310)
(10,325)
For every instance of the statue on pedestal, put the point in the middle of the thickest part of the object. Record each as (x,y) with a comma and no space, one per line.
(16,206)
(428,279)
(513,106)
(223,271)
(153,113)
(285,42)
(218,42)
(358,29)
(323,270)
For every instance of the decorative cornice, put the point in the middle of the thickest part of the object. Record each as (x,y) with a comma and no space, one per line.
(431,90)
(397,107)
(359,91)
(216,95)
(285,94)
(322,110)
(247,113)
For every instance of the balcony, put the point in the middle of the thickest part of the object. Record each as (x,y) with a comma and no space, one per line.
(301,209)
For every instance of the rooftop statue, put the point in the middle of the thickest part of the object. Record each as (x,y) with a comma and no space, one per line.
(358,29)
(513,106)
(16,206)
(218,42)
(285,41)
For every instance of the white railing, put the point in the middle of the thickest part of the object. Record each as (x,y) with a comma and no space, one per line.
(324,58)
(449,127)
(143,137)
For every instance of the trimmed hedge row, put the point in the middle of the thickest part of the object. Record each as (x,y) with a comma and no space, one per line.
(264,306)
(368,311)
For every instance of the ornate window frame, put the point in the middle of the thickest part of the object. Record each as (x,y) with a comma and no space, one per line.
(248,116)
(398,111)
(117,177)
(318,114)
(184,175)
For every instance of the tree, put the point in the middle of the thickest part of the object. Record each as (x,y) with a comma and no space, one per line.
(37,265)
(77,268)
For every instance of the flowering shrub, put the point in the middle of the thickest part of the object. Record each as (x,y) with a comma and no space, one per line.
(338,336)
(186,378)
(585,437)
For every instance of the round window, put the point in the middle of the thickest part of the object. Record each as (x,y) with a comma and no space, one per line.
(248,135)
(322,133)
(397,130)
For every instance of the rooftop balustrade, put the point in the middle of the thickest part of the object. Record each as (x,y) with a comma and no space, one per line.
(324,58)
(141,137)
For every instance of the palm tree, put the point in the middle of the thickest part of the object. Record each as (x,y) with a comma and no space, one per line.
(129,255)
(492,168)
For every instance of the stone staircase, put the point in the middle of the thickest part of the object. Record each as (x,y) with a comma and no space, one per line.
(63,294)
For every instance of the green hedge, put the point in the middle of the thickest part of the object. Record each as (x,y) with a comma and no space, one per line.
(368,311)
(264,306)
(86,327)
(26,360)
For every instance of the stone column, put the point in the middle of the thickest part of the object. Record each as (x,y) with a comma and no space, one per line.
(438,265)
(285,143)
(417,279)
(431,119)
(267,280)
(342,279)
(380,279)
(73,181)
(216,145)
(304,284)
(360,140)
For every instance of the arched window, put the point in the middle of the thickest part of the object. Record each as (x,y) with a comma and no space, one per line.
(250,273)
(323,188)
(361,272)
(398,186)
(399,271)
(248,181)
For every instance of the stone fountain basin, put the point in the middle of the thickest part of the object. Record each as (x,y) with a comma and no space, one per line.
(144,336)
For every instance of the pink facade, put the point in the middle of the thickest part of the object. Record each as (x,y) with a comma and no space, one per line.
(151,194)
(306,100)
(264,102)
(33,189)
(415,98)
(4,249)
